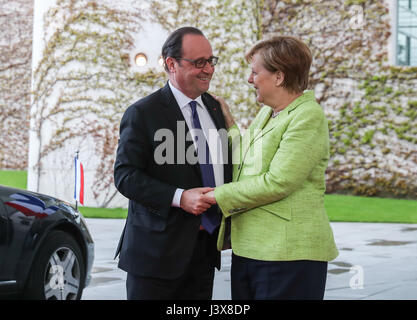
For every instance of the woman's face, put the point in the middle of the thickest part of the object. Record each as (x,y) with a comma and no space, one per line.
(264,81)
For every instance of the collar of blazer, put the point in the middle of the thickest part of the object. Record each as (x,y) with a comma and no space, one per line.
(307,95)
(265,115)
(259,123)
(174,113)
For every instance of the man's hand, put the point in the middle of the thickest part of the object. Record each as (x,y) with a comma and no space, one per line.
(195,200)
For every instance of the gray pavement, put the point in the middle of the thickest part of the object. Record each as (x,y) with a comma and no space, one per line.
(377,261)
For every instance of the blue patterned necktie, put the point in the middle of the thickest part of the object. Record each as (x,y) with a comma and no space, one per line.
(211,218)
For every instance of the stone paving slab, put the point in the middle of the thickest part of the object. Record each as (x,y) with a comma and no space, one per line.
(377,261)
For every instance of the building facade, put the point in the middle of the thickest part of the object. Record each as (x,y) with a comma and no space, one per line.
(364,54)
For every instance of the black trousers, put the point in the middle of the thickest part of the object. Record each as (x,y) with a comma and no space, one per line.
(195,284)
(277,280)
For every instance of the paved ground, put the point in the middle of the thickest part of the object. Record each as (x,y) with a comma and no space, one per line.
(377,261)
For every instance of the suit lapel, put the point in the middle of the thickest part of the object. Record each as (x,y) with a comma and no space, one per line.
(258,128)
(216,114)
(172,110)
(255,131)
(173,114)
(214,111)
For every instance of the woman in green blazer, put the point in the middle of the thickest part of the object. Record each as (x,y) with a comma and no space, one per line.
(280,233)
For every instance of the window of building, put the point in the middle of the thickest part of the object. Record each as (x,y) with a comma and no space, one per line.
(407,33)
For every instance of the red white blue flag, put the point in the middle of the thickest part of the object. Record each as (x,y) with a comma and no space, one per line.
(79,182)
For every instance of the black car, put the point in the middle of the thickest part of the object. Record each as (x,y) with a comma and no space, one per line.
(46,250)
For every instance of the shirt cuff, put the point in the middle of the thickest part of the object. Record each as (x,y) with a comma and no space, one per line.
(176,201)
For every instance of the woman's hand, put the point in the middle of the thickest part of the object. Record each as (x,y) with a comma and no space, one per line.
(209,196)
(196,200)
(226,112)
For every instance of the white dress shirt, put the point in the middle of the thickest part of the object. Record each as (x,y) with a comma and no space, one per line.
(210,133)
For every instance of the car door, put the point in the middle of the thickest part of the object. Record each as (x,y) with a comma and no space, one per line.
(10,242)
(17,223)
(3,236)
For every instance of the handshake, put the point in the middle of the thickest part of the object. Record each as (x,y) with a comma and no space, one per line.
(197,200)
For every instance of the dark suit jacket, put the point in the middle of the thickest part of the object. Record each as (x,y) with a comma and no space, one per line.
(158,240)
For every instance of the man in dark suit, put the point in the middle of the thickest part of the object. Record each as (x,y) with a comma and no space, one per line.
(168,246)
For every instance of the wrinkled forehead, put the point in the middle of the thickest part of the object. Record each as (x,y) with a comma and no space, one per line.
(195,47)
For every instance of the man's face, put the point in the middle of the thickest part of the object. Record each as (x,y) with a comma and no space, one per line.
(184,75)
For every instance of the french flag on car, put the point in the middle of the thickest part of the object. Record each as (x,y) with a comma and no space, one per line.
(79,182)
(30,206)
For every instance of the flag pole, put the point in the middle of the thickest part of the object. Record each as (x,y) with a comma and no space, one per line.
(75,187)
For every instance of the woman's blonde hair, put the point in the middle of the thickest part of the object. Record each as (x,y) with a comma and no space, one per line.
(287,54)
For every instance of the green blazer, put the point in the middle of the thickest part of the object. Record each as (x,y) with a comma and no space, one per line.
(276,202)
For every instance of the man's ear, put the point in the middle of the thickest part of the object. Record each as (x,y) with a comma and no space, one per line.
(279,78)
(170,63)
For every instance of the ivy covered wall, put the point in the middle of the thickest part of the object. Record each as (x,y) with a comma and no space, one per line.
(374,137)
(85,81)
(371,106)
(81,88)
(16,20)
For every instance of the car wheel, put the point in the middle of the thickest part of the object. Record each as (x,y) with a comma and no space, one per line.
(58,271)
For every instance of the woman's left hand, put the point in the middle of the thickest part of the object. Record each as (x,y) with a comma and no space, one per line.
(210,196)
